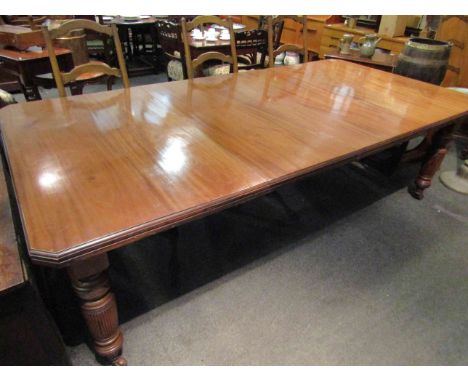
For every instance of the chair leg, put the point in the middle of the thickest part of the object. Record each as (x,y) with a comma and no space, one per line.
(110,82)
(76,88)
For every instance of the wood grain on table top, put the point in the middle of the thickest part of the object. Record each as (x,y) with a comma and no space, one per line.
(96,171)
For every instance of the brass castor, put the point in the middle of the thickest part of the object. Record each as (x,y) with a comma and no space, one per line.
(120,361)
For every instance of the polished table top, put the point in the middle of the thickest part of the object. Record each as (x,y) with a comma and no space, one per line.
(96,171)
(20,37)
(29,54)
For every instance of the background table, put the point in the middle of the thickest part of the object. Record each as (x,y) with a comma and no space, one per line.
(98,171)
(25,65)
(133,34)
(380,60)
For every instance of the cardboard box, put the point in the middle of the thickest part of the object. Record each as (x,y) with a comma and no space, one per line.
(393,26)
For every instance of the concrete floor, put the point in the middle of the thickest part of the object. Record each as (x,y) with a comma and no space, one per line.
(343,268)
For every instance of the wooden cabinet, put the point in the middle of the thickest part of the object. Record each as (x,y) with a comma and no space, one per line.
(251,22)
(292,33)
(455,29)
(333,32)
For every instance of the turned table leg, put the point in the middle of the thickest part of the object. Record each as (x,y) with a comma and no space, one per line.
(91,284)
(432,161)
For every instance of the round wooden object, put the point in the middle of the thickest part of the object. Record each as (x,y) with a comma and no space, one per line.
(424,59)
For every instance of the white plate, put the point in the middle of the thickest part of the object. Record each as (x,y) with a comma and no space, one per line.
(225,38)
(145,17)
(211,39)
(199,38)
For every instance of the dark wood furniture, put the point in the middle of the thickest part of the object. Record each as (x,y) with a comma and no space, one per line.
(83,72)
(20,37)
(28,335)
(136,34)
(198,47)
(28,64)
(380,60)
(201,21)
(273,51)
(89,178)
(252,48)
(169,36)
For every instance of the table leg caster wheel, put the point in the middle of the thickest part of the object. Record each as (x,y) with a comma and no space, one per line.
(120,361)
(416,192)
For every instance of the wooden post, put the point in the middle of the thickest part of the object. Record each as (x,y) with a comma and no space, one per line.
(432,162)
(91,284)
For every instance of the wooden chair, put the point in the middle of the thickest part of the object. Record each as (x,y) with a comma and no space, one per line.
(200,21)
(251,47)
(273,52)
(277,30)
(82,72)
(6,99)
(169,35)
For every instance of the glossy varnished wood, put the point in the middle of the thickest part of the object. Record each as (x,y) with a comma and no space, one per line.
(11,267)
(20,37)
(94,172)
(99,68)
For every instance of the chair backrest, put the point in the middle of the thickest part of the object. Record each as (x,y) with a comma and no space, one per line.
(170,38)
(201,21)
(249,44)
(272,51)
(61,79)
(277,30)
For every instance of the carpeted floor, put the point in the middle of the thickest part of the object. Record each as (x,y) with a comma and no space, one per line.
(342,268)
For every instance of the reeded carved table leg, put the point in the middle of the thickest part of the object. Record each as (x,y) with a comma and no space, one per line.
(91,284)
(431,163)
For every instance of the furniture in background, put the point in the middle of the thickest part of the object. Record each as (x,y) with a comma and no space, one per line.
(26,65)
(332,34)
(20,37)
(138,36)
(455,30)
(82,73)
(234,148)
(193,64)
(380,60)
(273,52)
(33,22)
(252,48)
(291,32)
(169,37)
(457,180)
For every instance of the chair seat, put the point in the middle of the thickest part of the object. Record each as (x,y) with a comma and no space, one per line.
(81,77)
(175,70)
(216,70)
(6,98)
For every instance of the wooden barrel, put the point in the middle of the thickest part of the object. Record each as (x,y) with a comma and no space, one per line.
(75,40)
(424,59)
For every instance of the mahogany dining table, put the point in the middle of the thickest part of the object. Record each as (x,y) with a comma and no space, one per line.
(95,172)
